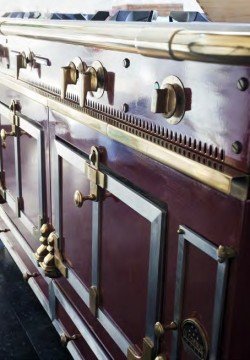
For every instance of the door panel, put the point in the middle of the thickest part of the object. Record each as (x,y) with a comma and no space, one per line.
(23,163)
(127,238)
(199,305)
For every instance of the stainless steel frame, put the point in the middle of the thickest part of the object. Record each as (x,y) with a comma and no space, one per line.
(144,207)
(36,131)
(188,237)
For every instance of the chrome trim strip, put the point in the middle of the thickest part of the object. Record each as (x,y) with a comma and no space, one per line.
(134,200)
(206,42)
(10,200)
(116,334)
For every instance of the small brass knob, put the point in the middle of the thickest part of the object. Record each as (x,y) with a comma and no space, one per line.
(66,338)
(160,329)
(79,198)
(27,276)
(4,134)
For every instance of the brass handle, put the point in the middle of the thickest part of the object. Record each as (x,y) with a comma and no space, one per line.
(4,134)
(27,276)
(88,82)
(21,62)
(69,75)
(79,198)
(164,101)
(66,338)
(160,329)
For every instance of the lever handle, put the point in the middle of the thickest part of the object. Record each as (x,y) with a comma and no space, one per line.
(69,75)
(85,86)
(21,62)
(41,60)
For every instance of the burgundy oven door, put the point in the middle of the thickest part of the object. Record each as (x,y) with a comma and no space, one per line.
(112,247)
(23,171)
(201,273)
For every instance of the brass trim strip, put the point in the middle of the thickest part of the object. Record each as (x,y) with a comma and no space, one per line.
(231,182)
(207,42)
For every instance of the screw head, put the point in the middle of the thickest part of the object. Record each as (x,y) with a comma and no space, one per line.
(237,147)
(242,84)
(126,63)
(156,85)
(125,108)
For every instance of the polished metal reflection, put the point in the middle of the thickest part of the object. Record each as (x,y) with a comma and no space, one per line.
(207,43)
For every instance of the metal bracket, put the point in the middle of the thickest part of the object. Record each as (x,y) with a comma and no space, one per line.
(147,352)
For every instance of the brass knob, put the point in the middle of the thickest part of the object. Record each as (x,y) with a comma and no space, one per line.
(169,99)
(164,101)
(27,276)
(66,338)
(79,198)
(160,328)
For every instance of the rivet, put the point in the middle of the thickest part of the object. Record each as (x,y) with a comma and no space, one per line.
(126,63)
(237,147)
(242,84)
(125,107)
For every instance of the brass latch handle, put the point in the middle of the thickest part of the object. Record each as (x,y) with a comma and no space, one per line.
(79,198)
(66,338)
(160,329)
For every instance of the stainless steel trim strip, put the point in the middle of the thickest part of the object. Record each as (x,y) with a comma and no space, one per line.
(131,198)
(10,200)
(32,283)
(116,334)
(207,43)
(208,248)
(70,346)
(19,238)
(83,329)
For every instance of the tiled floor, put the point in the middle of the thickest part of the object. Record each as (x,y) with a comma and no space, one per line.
(26,332)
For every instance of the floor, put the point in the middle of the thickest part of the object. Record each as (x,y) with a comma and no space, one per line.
(26,332)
